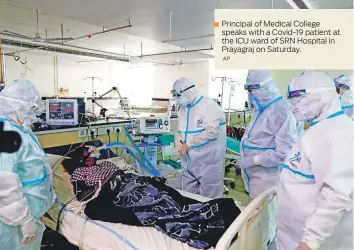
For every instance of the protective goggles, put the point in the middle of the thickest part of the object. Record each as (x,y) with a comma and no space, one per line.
(303,92)
(343,86)
(179,93)
(250,87)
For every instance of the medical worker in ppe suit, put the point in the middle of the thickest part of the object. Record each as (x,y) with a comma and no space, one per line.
(315,197)
(269,136)
(201,140)
(344,84)
(25,176)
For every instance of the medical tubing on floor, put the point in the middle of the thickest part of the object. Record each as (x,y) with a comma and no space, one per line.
(152,169)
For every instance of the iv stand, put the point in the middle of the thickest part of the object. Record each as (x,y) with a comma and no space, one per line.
(93,90)
(223,81)
(232,90)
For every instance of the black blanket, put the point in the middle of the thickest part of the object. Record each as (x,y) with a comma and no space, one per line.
(146,201)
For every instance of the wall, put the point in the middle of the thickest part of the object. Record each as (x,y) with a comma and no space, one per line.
(284,77)
(140,83)
(165,76)
(215,86)
(40,71)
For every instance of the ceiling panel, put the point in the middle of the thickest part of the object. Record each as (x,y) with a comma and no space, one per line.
(150,22)
(11,16)
(331,4)
(150,19)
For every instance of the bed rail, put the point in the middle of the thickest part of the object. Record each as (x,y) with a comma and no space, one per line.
(255,226)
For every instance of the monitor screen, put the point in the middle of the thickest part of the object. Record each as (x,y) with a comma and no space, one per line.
(62,112)
(151,123)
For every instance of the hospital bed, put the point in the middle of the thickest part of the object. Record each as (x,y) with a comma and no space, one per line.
(232,154)
(255,226)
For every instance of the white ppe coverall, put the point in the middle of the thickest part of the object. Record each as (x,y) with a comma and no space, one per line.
(315,198)
(26,191)
(202,126)
(268,137)
(345,84)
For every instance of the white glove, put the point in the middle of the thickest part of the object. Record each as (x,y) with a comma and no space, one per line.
(29,231)
(178,143)
(245,162)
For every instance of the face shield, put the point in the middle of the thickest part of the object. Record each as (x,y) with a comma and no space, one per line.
(297,98)
(21,102)
(340,88)
(250,88)
(256,92)
(343,83)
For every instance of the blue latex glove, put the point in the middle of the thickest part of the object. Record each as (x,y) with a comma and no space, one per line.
(245,162)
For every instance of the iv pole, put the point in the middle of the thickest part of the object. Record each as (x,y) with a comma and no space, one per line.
(223,81)
(93,90)
(232,90)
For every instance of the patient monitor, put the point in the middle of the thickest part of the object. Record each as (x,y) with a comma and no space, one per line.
(62,112)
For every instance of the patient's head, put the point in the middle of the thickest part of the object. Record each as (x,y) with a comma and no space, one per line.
(80,157)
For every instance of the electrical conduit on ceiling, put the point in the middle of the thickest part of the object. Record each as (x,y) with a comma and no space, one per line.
(80,51)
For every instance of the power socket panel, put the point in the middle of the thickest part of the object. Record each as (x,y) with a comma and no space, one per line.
(118,127)
(103,131)
(94,130)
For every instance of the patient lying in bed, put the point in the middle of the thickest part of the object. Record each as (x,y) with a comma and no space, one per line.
(114,196)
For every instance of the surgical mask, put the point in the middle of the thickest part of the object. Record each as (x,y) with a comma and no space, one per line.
(300,115)
(182,101)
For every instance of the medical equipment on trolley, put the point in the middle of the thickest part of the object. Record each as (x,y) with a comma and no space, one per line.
(151,125)
(62,112)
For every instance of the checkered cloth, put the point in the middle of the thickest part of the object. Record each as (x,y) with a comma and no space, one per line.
(94,174)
